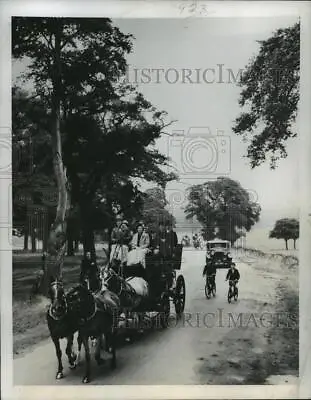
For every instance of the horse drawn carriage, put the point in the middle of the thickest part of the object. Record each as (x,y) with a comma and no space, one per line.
(150,285)
(131,291)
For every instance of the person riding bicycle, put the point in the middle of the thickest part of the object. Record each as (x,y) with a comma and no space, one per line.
(233,273)
(210,270)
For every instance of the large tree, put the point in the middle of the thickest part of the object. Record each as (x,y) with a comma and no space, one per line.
(269,96)
(82,57)
(154,209)
(108,155)
(223,207)
(286,228)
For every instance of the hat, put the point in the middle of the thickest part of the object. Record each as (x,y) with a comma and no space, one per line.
(118,217)
(125,222)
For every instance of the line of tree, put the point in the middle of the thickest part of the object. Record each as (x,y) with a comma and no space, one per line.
(286,229)
(90,133)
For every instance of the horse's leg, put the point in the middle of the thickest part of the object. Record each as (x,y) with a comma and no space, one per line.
(59,374)
(99,346)
(70,353)
(86,378)
(78,360)
(111,339)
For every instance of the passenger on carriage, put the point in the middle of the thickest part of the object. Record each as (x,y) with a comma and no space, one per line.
(120,239)
(136,260)
(164,243)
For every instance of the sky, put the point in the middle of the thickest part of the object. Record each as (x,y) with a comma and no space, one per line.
(204,146)
(211,149)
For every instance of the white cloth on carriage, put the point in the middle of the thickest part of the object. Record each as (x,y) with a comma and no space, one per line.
(119,252)
(139,285)
(137,256)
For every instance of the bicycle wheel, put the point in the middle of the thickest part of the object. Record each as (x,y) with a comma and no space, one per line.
(207,291)
(229,296)
(214,289)
(236,294)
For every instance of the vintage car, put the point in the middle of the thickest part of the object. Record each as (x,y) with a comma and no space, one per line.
(221,250)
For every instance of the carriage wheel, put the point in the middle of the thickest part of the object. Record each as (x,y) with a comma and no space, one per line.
(165,312)
(180,295)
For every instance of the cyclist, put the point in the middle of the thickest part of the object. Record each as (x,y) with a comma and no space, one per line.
(233,275)
(210,271)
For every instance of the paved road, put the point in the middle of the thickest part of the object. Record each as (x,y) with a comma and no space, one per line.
(171,356)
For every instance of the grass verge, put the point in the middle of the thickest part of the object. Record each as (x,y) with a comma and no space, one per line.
(29,315)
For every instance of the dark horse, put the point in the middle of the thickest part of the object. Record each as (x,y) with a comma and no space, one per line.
(96,319)
(62,323)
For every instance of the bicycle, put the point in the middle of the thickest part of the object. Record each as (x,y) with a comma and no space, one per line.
(210,286)
(233,291)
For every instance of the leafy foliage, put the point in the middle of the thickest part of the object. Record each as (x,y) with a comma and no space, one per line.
(154,210)
(285,228)
(270,95)
(107,127)
(223,207)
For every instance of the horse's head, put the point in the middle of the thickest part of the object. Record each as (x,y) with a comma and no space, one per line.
(111,280)
(59,306)
(81,301)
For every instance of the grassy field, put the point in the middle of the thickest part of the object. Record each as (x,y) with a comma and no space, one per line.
(29,323)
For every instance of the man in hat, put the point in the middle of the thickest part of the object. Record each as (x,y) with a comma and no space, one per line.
(171,239)
(115,237)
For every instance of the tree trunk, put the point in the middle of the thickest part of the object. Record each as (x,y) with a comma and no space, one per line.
(45,228)
(88,239)
(70,233)
(57,236)
(295,244)
(26,234)
(286,244)
(33,241)
(76,248)
(70,248)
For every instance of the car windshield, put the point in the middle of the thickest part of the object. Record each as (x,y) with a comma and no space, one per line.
(214,245)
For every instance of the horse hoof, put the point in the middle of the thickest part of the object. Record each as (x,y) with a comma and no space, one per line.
(86,379)
(59,375)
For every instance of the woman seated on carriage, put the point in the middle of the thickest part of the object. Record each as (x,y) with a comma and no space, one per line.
(136,260)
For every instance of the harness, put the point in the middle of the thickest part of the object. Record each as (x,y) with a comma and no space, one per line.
(50,312)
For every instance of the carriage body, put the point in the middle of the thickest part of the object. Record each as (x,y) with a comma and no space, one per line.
(163,285)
